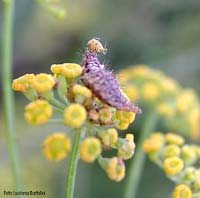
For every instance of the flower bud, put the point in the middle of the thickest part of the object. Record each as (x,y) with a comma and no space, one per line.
(90,148)
(56,146)
(105,115)
(38,112)
(109,137)
(114,168)
(153,143)
(182,191)
(188,154)
(75,115)
(43,82)
(127,150)
(171,150)
(81,93)
(190,174)
(173,165)
(70,70)
(150,91)
(23,82)
(172,138)
(125,116)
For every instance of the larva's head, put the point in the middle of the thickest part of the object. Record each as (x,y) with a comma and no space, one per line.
(95,45)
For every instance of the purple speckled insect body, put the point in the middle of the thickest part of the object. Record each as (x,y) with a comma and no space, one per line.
(103,83)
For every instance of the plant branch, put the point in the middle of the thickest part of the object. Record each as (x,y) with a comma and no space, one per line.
(71,174)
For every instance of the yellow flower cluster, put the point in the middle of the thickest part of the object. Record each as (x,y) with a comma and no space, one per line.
(22,83)
(69,70)
(40,82)
(179,107)
(79,110)
(178,160)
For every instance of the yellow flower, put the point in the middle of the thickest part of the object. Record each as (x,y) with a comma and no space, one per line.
(105,115)
(194,122)
(115,169)
(71,70)
(56,146)
(171,150)
(131,91)
(56,68)
(169,85)
(122,125)
(109,137)
(150,91)
(153,143)
(197,184)
(190,174)
(189,154)
(185,100)
(172,138)
(23,82)
(127,150)
(75,115)
(173,165)
(38,112)
(197,181)
(43,82)
(129,137)
(165,109)
(81,90)
(90,148)
(182,191)
(125,116)
(139,70)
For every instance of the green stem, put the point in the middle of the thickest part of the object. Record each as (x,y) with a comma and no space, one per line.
(73,166)
(137,165)
(8,98)
(56,121)
(57,103)
(58,110)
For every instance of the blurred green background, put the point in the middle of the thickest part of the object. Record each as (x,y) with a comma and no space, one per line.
(162,34)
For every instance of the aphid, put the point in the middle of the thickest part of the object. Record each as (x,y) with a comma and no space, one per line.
(101,81)
(95,45)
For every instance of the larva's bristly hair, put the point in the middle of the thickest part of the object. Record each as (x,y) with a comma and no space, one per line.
(101,81)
